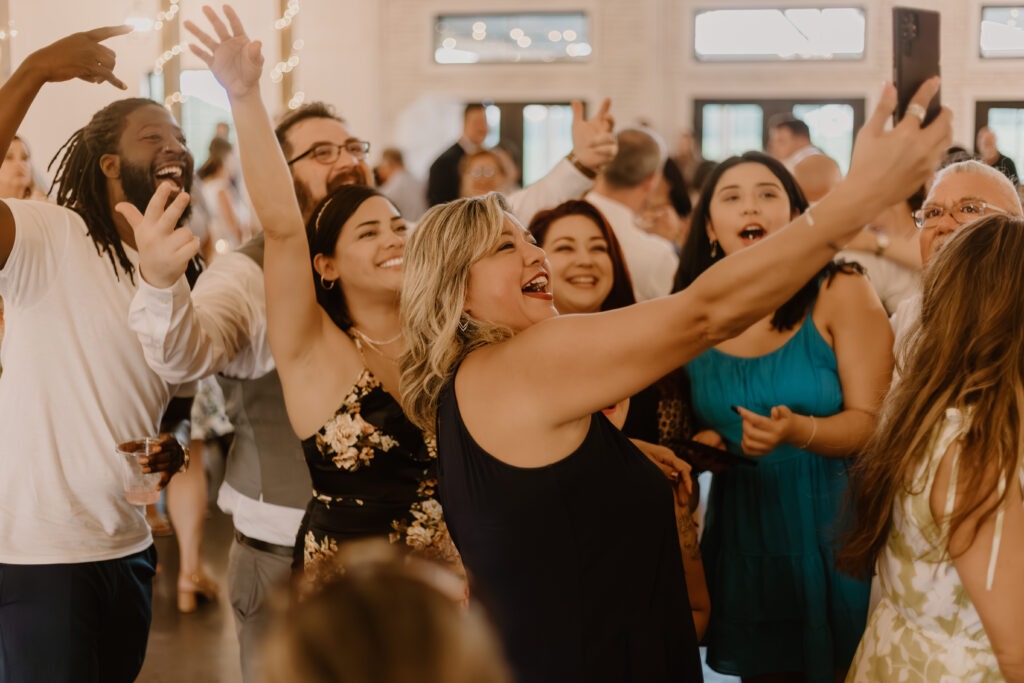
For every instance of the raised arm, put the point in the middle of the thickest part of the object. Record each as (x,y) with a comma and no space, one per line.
(295,321)
(571,366)
(79,55)
(593,146)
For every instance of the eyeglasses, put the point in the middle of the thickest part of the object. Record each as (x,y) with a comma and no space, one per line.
(483,173)
(327,153)
(961,212)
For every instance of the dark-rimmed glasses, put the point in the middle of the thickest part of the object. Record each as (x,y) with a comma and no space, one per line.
(327,152)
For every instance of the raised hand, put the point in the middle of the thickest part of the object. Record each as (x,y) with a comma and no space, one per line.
(592,140)
(893,164)
(79,55)
(164,249)
(235,61)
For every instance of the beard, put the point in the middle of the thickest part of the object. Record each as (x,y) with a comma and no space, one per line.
(139,184)
(354,175)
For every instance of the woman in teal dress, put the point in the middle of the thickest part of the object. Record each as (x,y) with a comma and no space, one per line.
(798,392)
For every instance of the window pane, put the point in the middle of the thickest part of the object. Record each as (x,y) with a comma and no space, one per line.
(536,37)
(729,129)
(1008,125)
(204,104)
(493,114)
(831,129)
(547,137)
(1001,32)
(774,34)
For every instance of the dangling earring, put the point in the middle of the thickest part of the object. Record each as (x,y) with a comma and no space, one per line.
(324,283)
(463,324)
(714,248)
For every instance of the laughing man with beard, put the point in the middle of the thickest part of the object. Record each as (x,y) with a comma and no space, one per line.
(76,558)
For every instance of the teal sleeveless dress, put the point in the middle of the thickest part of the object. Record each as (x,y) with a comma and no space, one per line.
(771,531)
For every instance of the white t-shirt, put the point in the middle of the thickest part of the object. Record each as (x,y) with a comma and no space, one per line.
(651,260)
(75,384)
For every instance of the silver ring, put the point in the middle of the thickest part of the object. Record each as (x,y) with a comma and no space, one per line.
(915,109)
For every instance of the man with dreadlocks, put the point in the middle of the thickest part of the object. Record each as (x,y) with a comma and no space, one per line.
(76,559)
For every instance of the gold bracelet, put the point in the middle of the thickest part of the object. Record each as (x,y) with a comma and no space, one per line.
(814,431)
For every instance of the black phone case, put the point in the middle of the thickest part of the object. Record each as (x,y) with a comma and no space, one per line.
(915,43)
(706,458)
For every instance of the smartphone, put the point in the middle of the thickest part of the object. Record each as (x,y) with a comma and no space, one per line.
(915,49)
(706,458)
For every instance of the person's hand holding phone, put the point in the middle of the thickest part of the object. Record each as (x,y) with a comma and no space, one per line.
(891,164)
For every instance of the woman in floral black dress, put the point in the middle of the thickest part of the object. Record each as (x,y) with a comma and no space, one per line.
(335,337)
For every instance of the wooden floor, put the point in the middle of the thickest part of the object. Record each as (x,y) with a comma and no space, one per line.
(202,647)
(192,648)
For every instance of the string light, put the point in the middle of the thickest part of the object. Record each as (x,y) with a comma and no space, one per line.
(9,32)
(167,56)
(289,64)
(143,24)
(289,13)
(276,74)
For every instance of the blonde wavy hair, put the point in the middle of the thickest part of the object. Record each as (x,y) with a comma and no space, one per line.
(448,240)
(966,352)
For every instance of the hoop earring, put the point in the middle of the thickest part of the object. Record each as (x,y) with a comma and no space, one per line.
(714,248)
(324,283)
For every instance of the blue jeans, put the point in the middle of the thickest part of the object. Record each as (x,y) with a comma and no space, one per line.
(80,623)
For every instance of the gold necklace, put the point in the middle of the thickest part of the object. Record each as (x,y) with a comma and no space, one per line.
(374,345)
(375,342)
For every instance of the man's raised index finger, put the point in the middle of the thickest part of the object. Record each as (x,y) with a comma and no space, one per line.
(105,32)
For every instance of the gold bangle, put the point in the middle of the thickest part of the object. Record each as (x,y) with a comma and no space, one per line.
(814,432)
(574,160)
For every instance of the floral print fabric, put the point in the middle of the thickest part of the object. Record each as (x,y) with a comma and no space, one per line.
(374,474)
(925,629)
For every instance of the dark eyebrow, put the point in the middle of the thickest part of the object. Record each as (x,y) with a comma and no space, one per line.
(764,184)
(364,223)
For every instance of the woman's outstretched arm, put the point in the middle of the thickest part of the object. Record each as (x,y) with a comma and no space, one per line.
(295,321)
(569,367)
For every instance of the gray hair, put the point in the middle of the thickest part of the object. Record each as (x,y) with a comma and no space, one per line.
(641,155)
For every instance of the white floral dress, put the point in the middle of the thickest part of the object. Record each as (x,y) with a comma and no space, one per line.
(925,628)
(374,474)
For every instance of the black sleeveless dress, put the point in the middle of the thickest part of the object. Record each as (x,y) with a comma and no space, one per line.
(578,562)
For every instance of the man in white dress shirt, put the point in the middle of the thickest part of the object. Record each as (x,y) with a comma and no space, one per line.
(620,194)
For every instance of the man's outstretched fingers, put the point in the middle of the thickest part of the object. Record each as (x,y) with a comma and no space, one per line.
(104,32)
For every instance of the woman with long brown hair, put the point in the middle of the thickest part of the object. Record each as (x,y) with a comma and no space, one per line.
(938,494)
